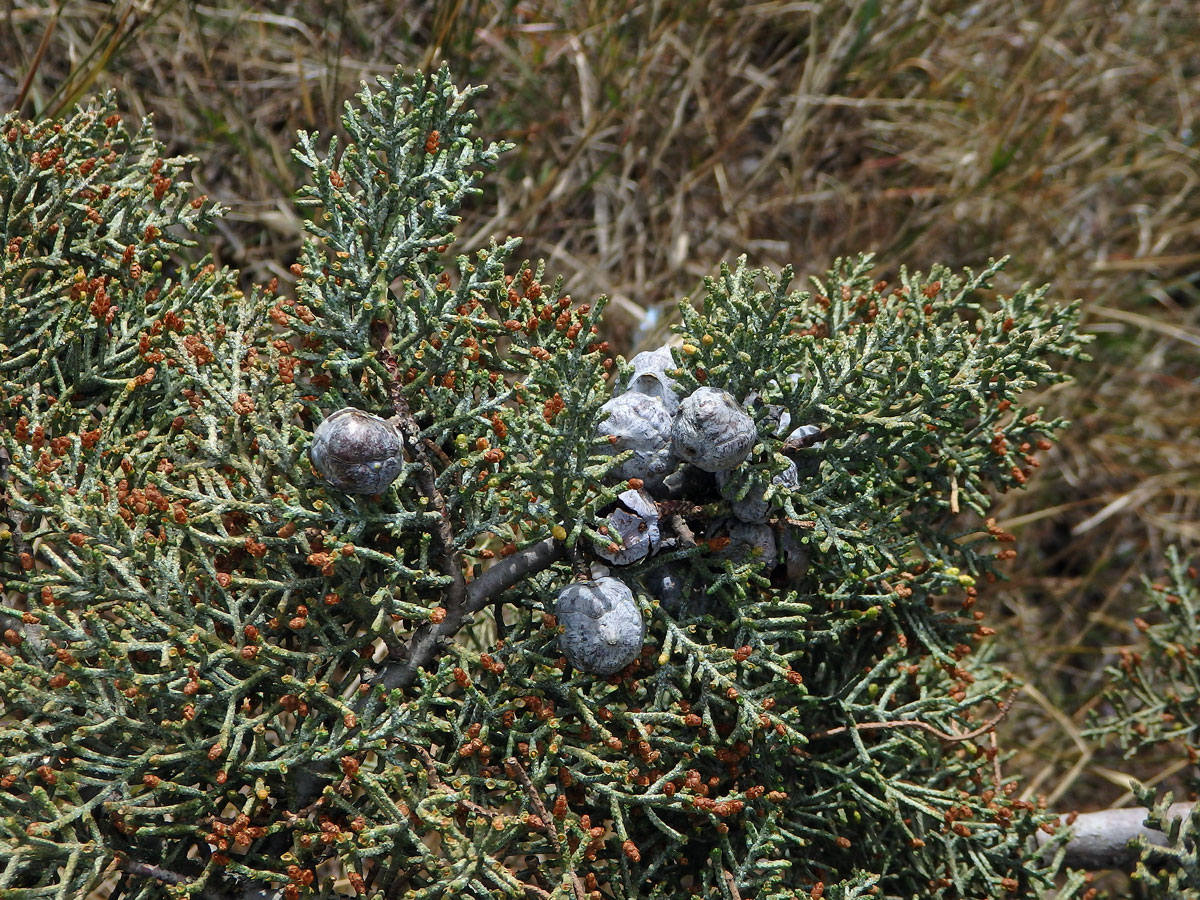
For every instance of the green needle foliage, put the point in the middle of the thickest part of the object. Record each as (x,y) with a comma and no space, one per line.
(1171,869)
(1154,693)
(1153,701)
(222,678)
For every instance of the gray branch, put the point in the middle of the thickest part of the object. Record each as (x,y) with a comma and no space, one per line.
(423,647)
(1101,840)
(427,641)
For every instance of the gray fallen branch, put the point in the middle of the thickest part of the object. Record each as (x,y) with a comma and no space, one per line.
(1101,840)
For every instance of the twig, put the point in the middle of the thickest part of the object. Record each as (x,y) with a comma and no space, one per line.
(435,777)
(427,639)
(517,771)
(435,781)
(238,890)
(436,451)
(512,569)
(681,529)
(461,601)
(808,440)
(731,883)
(996,774)
(146,870)
(449,561)
(983,729)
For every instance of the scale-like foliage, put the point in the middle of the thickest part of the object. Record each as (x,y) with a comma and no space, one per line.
(1154,697)
(222,677)
(1153,700)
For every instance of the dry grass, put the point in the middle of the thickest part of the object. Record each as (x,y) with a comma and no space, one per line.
(658,138)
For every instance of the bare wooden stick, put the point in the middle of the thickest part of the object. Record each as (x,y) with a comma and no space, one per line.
(1101,840)
(680,526)
(27,81)
(817,437)
(435,782)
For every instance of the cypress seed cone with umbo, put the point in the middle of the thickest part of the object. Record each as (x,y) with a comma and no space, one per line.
(712,431)
(357,452)
(603,628)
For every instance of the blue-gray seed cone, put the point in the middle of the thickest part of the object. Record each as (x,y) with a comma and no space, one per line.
(357,452)
(712,431)
(603,628)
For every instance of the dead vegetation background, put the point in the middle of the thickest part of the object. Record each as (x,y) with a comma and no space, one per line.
(657,138)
